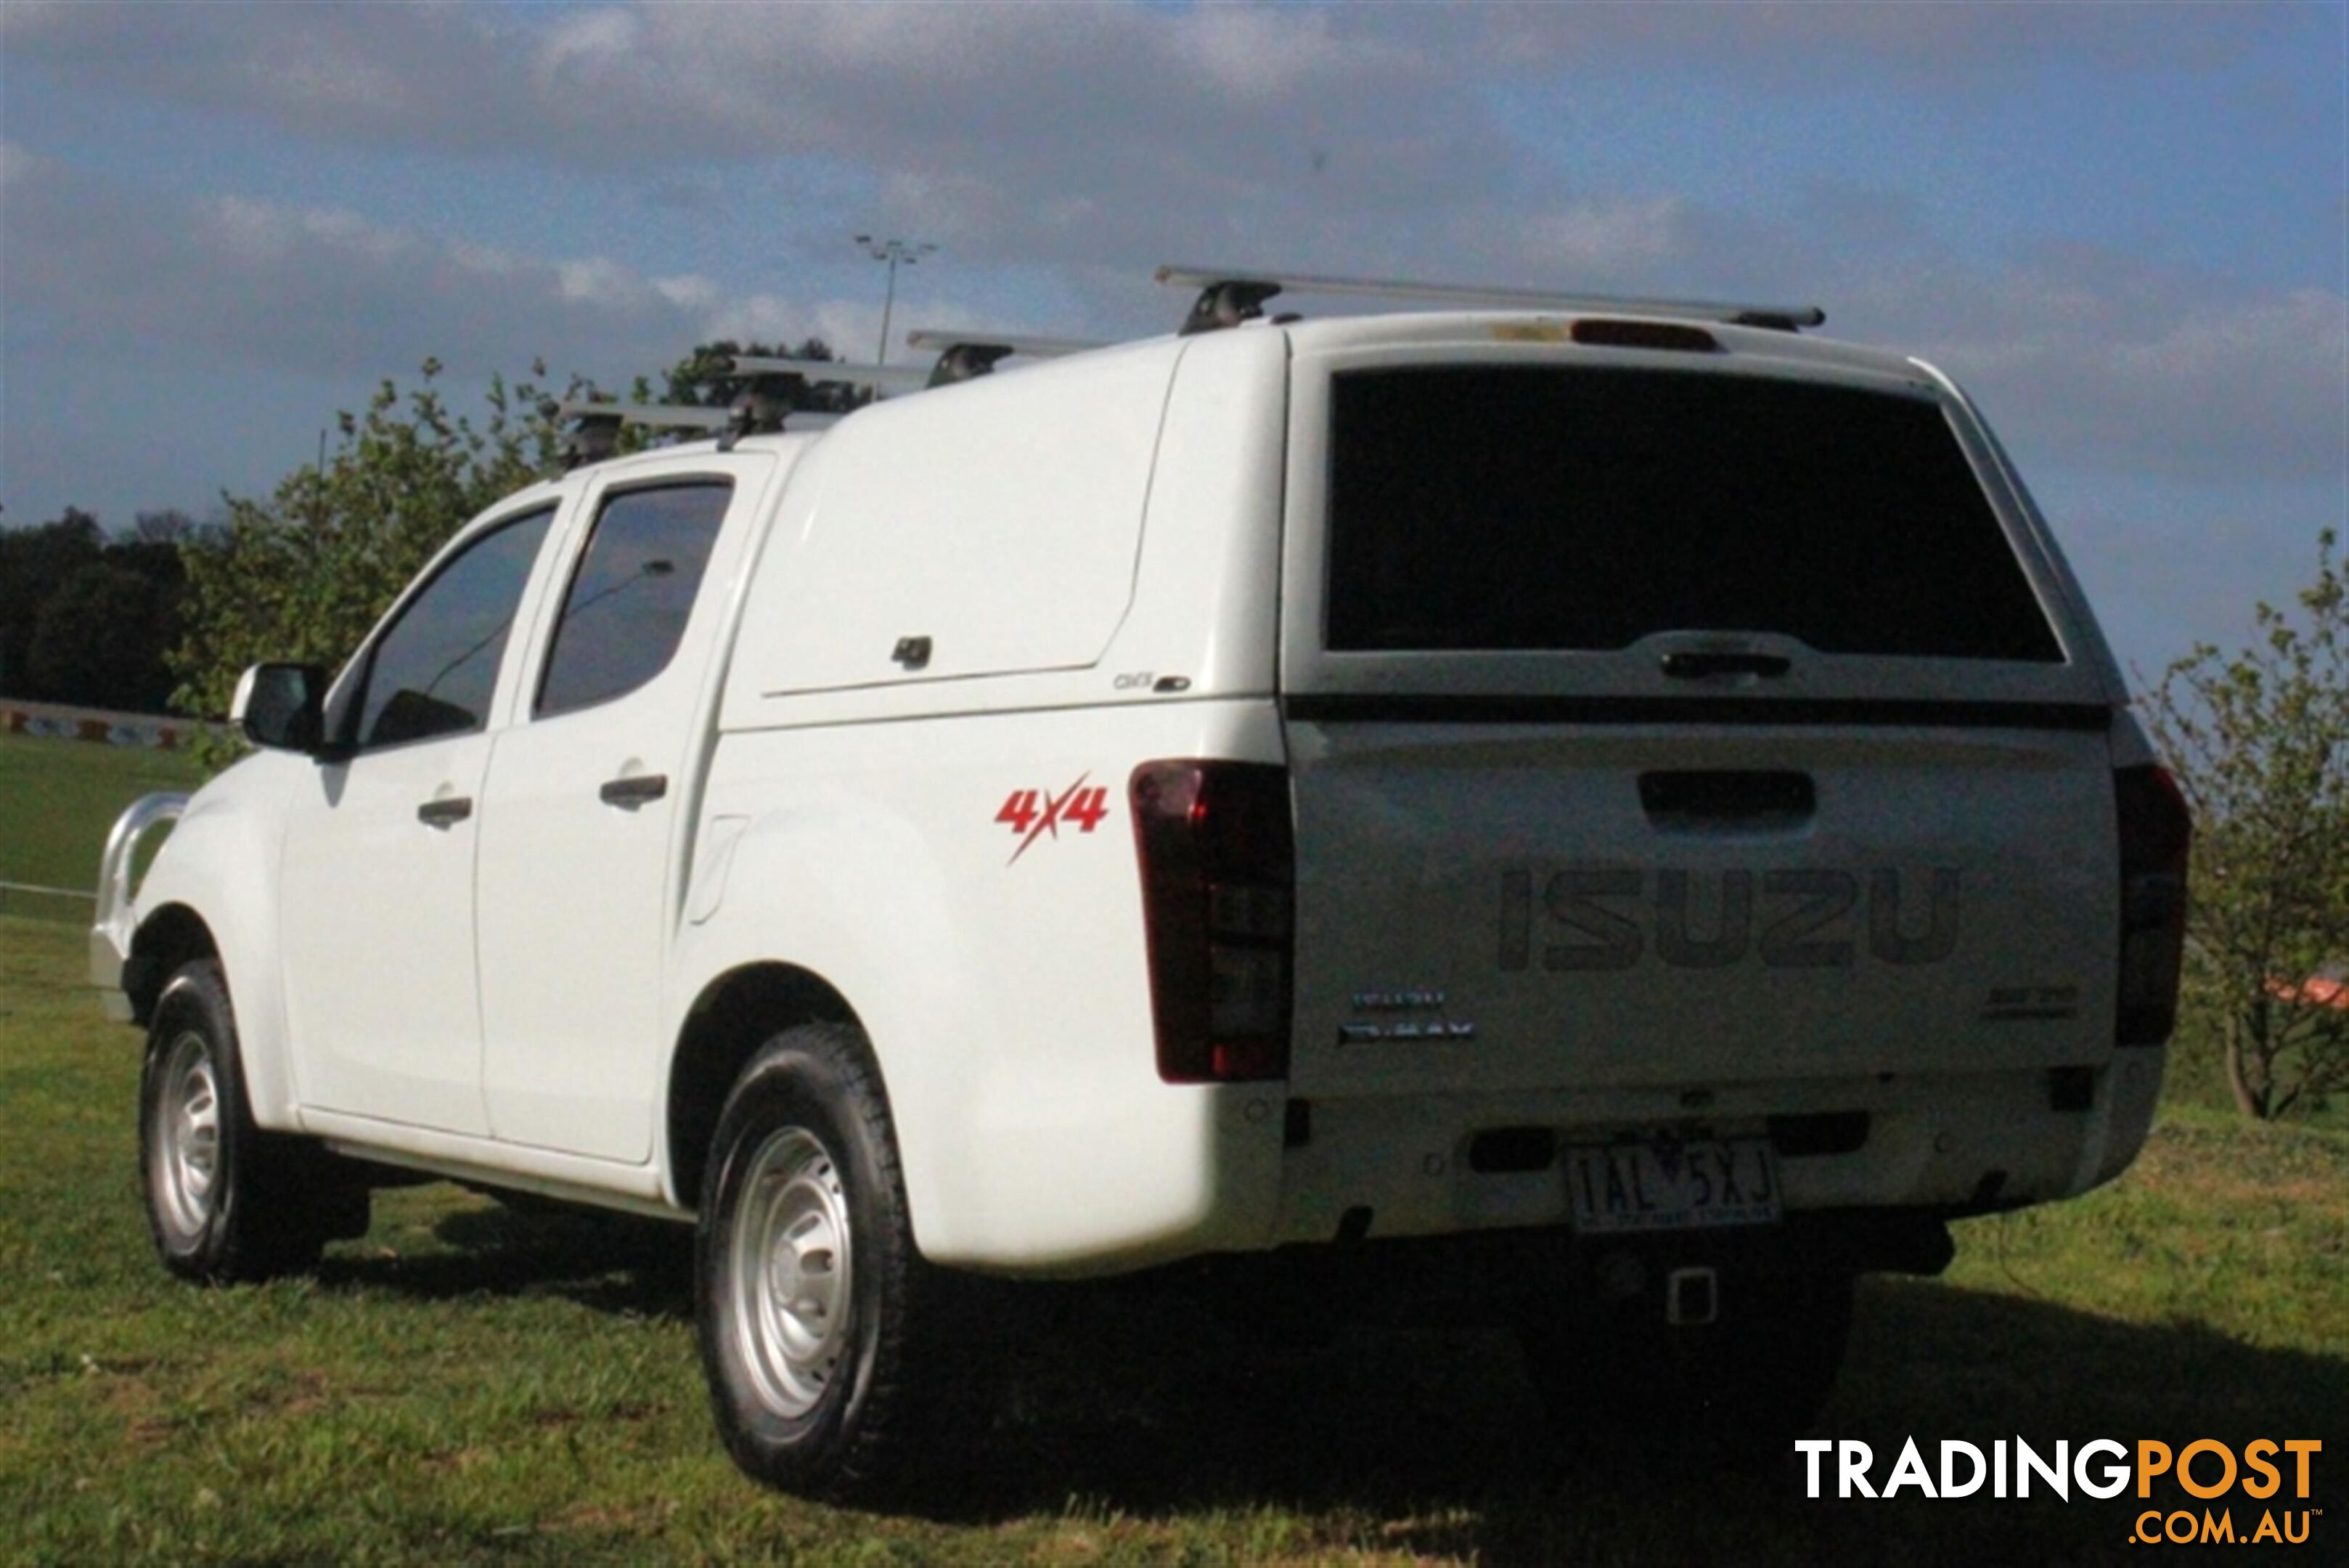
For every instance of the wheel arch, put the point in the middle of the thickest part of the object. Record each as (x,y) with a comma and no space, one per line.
(733,1015)
(168,938)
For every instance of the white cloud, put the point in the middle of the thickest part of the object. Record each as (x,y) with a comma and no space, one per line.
(985,113)
(17,163)
(232,281)
(586,41)
(2083,359)
(1608,238)
(1945,40)
(2097,362)
(1067,148)
(251,231)
(1262,55)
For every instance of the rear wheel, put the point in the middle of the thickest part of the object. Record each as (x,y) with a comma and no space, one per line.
(815,1311)
(1614,1376)
(225,1201)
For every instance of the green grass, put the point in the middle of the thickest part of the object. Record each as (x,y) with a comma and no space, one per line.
(58,798)
(466,1383)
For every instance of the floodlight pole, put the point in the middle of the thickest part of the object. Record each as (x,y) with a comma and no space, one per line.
(895,252)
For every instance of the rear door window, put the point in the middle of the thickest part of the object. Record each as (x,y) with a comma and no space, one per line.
(632,592)
(1517,508)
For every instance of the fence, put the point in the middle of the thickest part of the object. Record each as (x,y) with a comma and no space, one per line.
(153,732)
(47,903)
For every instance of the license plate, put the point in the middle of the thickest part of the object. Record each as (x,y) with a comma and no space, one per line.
(1663,1185)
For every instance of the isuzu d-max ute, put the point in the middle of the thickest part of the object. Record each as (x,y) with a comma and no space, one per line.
(1613,818)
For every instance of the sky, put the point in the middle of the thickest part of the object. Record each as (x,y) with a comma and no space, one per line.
(2124,228)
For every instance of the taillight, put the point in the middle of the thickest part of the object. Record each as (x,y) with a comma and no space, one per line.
(2156,832)
(1218,895)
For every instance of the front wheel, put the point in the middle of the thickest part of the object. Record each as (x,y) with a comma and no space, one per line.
(813,1307)
(225,1201)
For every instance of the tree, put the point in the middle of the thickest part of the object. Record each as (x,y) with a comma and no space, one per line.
(34,563)
(304,574)
(2260,741)
(167,526)
(95,642)
(86,620)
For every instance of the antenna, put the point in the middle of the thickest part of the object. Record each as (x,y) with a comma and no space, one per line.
(1229,296)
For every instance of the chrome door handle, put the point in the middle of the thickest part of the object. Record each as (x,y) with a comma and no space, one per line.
(445,814)
(633,790)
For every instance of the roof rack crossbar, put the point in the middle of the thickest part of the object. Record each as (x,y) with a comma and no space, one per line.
(654,416)
(847,372)
(1230,295)
(595,434)
(1031,343)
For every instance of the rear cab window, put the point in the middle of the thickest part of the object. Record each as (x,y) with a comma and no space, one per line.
(1505,520)
(1583,509)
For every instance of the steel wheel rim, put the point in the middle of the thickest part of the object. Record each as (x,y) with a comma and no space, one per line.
(188,1134)
(790,1272)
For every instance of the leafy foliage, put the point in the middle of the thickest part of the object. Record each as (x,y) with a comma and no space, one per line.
(2259,741)
(304,574)
(100,637)
(33,564)
(86,620)
(702,378)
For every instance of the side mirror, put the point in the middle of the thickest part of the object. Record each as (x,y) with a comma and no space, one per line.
(282,706)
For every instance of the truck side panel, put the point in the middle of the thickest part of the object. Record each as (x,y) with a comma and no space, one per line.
(976,905)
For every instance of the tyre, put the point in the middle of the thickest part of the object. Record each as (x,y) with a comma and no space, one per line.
(815,1311)
(1615,1377)
(227,1201)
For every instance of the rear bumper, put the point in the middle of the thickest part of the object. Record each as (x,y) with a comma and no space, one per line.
(1945,1144)
(1502,1278)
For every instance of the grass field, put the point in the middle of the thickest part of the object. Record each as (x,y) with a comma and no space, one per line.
(58,798)
(466,1383)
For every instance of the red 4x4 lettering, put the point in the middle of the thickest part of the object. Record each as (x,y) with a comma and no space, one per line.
(1088,809)
(1018,809)
(1081,807)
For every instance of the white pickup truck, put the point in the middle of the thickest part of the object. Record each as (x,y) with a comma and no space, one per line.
(1616,818)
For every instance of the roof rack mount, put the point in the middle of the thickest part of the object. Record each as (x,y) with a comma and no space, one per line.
(596,435)
(846,371)
(1032,344)
(1229,296)
(963,355)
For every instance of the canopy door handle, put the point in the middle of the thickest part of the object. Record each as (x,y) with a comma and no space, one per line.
(633,790)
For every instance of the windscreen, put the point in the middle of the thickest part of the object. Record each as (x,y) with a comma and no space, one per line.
(1510,508)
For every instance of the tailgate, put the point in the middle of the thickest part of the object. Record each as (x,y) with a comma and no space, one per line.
(1514,907)
(1679,717)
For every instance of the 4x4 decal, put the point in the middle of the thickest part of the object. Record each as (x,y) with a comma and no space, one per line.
(1076,805)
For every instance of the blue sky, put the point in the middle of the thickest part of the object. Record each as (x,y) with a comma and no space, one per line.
(2125,227)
